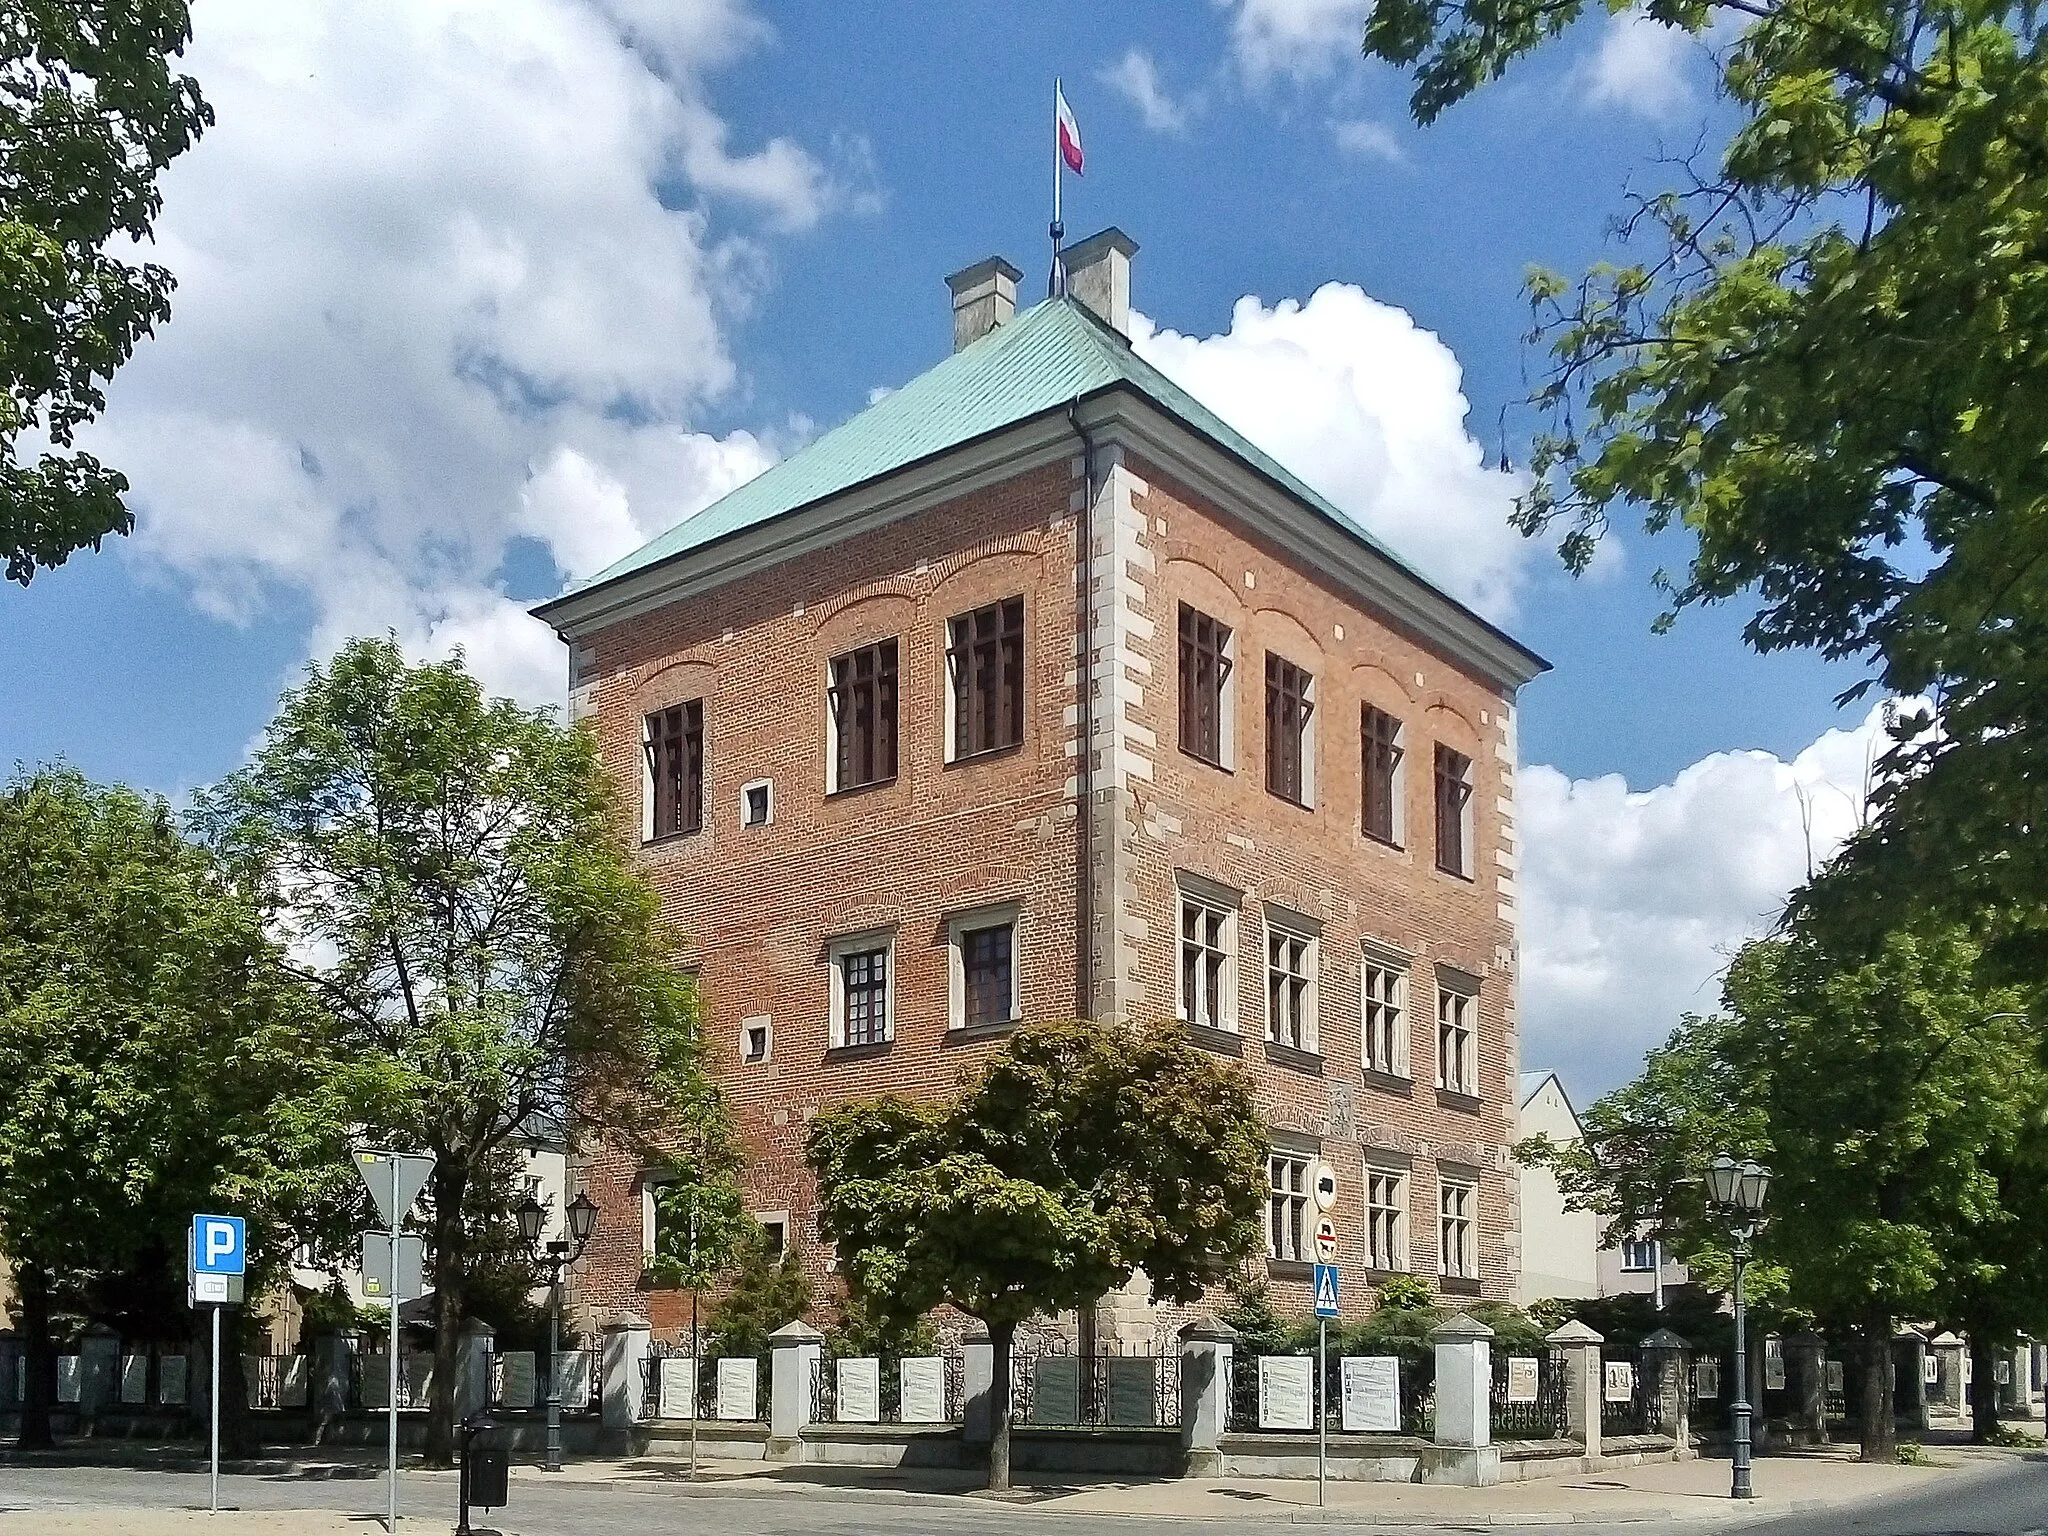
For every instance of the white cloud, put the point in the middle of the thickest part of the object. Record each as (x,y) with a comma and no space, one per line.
(1368,140)
(1640,66)
(1136,77)
(1368,408)
(1632,903)
(1297,38)
(449,275)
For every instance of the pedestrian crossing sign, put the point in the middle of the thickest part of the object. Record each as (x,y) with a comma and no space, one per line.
(1326,1290)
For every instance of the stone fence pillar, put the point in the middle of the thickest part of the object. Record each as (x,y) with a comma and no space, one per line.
(627,1344)
(977,1388)
(1464,1452)
(1909,1379)
(1207,1349)
(1667,1362)
(798,1347)
(1806,1375)
(1580,1347)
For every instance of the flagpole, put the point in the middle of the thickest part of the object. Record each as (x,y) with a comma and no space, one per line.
(1053,285)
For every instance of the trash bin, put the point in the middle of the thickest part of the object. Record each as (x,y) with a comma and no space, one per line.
(486,1468)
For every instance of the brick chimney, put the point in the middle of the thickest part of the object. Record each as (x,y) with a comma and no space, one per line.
(1099,275)
(984,297)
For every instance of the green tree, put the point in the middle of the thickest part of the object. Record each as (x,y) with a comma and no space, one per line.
(451,870)
(1825,362)
(155,1060)
(768,1290)
(90,114)
(1890,1088)
(1081,1154)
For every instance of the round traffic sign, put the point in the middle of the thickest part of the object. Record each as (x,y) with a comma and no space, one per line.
(1326,1240)
(1325,1187)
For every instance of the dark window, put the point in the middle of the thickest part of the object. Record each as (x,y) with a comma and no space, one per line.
(864,715)
(1288,707)
(774,1236)
(866,979)
(1381,736)
(986,960)
(675,762)
(1204,671)
(985,655)
(1453,795)
(756,1043)
(754,805)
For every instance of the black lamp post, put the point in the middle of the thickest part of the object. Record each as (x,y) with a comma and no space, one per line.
(557,1257)
(1737,1191)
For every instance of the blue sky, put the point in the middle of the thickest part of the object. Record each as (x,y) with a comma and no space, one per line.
(477,295)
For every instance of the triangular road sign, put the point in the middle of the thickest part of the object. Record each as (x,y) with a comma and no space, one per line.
(413,1173)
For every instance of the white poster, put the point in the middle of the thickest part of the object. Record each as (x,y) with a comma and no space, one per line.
(170,1380)
(736,1384)
(1834,1376)
(1286,1392)
(418,1380)
(1706,1378)
(572,1377)
(1372,1393)
(1930,1370)
(68,1377)
(516,1382)
(135,1378)
(922,1381)
(1521,1379)
(1774,1368)
(252,1381)
(1133,1389)
(1055,1390)
(1620,1381)
(859,1396)
(675,1387)
(373,1381)
(293,1382)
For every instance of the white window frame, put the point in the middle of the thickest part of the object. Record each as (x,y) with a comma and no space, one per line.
(1394,966)
(961,924)
(836,952)
(1457,1020)
(1457,1200)
(1193,892)
(778,1219)
(767,788)
(649,1215)
(1292,928)
(1646,1247)
(766,1025)
(1468,824)
(1394,1214)
(1287,1225)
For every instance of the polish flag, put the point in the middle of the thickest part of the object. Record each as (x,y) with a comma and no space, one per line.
(1070,131)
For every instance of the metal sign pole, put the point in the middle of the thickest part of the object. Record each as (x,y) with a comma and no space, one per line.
(1322,1408)
(213,1416)
(391,1507)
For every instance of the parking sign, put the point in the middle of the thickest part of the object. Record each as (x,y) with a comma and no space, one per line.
(220,1245)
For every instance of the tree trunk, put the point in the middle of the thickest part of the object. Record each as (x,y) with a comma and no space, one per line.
(1001,1337)
(451,1255)
(1880,1426)
(40,1375)
(1983,1387)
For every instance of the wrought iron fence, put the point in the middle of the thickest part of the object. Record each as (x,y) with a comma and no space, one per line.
(941,1387)
(276,1381)
(1709,1385)
(1417,1392)
(1049,1387)
(674,1391)
(1528,1399)
(1625,1398)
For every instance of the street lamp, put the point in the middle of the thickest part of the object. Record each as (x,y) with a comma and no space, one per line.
(1737,1191)
(552,1260)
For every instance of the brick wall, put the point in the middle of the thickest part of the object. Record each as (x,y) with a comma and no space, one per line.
(759,905)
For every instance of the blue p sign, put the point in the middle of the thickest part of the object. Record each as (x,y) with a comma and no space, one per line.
(219,1245)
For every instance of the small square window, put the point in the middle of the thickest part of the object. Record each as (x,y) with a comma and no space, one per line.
(756,1038)
(757,804)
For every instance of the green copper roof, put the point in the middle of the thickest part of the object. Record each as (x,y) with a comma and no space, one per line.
(1038,362)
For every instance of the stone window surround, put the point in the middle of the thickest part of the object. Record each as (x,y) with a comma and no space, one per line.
(1199,890)
(993,915)
(837,949)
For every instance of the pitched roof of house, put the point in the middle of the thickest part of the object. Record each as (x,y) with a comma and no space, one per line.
(1041,361)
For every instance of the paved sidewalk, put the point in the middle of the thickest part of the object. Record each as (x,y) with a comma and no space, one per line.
(1693,1493)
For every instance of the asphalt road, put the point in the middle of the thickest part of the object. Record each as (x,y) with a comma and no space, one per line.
(2010,1499)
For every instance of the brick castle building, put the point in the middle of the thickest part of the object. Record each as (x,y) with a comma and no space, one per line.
(895,819)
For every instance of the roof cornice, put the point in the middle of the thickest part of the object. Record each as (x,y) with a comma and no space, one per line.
(1117,413)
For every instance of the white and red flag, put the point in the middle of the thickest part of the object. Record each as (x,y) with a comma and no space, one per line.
(1069,130)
